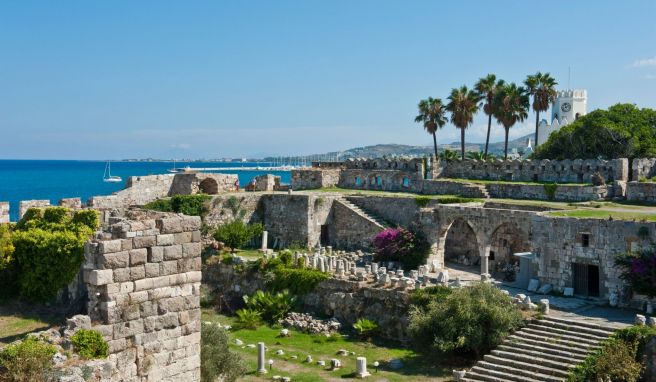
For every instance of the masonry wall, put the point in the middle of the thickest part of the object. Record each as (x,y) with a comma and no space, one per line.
(4,212)
(563,192)
(445,187)
(643,168)
(143,277)
(641,192)
(27,204)
(352,230)
(308,179)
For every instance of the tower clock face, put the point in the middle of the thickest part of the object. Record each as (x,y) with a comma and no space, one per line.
(566,106)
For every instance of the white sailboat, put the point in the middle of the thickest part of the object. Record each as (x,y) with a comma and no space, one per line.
(107,177)
(174,169)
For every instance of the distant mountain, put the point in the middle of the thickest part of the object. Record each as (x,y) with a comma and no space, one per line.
(377,151)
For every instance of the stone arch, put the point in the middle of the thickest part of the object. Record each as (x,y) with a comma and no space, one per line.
(375,181)
(506,239)
(460,243)
(209,186)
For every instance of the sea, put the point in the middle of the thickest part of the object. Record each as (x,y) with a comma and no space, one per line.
(57,179)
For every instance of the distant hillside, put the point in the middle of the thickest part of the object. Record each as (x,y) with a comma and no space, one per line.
(377,151)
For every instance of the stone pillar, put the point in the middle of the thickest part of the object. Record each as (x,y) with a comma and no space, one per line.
(485,272)
(261,363)
(361,367)
(265,240)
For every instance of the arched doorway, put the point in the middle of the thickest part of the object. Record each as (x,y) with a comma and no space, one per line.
(506,240)
(209,186)
(460,245)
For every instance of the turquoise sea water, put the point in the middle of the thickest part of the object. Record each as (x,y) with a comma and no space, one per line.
(54,179)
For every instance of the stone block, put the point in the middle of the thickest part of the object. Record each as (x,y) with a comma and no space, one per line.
(138,256)
(172,252)
(183,237)
(155,254)
(168,267)
(165,239)
(110,246)
(195,236)
(113,260)
(145,241)
(101,277)
(137,272)
(191,249)
(533,285)
(169,225)
(569,292)
(191,223)
(121,275)
(152,269)
(143,284)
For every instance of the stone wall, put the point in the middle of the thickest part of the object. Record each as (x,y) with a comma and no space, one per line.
(72,203)
(395,210)
(308,179)
(27,204)
(140,190)
(563,192)
(351,229)
(641,192)
(382,180)
(643,168)
(143,277)
(563,171)
(4,212)
(446,187)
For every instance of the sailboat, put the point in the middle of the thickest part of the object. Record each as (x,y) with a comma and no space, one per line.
(107,177)
(174,169)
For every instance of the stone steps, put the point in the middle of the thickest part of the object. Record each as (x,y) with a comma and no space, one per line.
(361,211)
(544,350)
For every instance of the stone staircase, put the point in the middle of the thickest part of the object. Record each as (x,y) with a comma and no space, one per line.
(483,189)
(545,350)
(357,209)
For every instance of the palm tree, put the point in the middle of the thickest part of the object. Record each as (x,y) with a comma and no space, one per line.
(449,155)
(477,155)
(463,104)
(542,87)
(432,115)
(511,106)
(487,88)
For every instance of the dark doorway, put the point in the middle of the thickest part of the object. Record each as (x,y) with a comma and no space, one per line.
(325,235)
(586,279)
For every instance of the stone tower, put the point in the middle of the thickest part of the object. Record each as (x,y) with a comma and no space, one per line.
(568,106)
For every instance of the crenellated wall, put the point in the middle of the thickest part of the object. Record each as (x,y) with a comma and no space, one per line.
(4,212)
(143,277)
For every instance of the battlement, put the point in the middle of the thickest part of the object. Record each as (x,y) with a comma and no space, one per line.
(574,93)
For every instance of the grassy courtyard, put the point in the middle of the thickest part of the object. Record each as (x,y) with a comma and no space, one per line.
(416,367)
(17,321)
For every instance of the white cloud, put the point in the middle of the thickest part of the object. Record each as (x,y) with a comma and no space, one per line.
(644,62)
(651,76)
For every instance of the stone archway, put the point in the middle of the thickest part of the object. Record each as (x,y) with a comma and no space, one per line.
(505,240)
(209,186)
(461,245)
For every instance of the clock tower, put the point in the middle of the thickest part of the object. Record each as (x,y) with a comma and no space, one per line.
(569,105)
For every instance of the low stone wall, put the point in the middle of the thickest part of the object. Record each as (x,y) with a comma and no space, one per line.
(446,187)
(643,168)
(72,203)
(641,192)
(4,212)
(563,192)
(310,178)
(27,204)
(353,230)
(143,277)
(382,180)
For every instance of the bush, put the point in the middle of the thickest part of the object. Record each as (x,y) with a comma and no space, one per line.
(216,359)
(298,281)
(271,306)
(192,205)
(90,344)
(421,298)
(422,201)
(469,320)
(28,361)
(249,318)
(6,247)
(365,328)
(163,205)
(87,218)
(236,233)
(399,244)
(639,270)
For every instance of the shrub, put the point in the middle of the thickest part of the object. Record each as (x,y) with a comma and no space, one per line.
(249,318)
(550,190)
(236,233)
(421,298)
(639,270)
(365,328)
(163,205)
(455,200)
(87,218)
(193,205)
(28,361)
(422,201)
(90,344)
(399,244)
(272,306)
(470,320)
(298,281)
(6,247)
(216,359)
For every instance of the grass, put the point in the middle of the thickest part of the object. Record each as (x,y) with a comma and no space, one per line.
(605,214)
(18,321)
(487,181)
(440,198)
(416,366)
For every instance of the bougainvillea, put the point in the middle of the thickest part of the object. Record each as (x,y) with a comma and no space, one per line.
(402,245)
(639,270)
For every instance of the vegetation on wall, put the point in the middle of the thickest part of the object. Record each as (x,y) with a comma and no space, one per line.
(90,344)
(216,359)
(48,249)
(402,245)
(639,270)
(192,205)
(622,131)
(550,190)
(470,320)
(27,361)
(618,359)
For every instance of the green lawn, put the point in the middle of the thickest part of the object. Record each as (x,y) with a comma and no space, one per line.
(416,367)
(487,181)
(18,321)
(605,214)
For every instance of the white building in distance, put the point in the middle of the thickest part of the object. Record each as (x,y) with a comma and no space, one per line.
(568,106)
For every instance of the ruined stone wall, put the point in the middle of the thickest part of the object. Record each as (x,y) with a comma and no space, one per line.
(4,212)
(27,204)
(352,230)
(313,178)
(221,208)
(409,165)
(643,168)
(395,210)
(563,171)
(563,192)
(286,218)
(143,277)
(641,192)
(382,180)
(72,203)
(445,187)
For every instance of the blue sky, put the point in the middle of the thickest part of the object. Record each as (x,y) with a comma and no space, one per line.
(125,79)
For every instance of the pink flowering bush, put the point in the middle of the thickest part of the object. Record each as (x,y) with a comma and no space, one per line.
(402,245)
(639,270)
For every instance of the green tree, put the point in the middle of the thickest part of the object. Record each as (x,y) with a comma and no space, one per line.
(449,155)
(542,87)
(622,131)
(216,359)
(433,116)
(510,106)
(463,104)
(236,234)
(487,88)
(477,155)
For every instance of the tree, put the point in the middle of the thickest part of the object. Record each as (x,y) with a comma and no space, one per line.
(542,87)
(510,106)
(622,131)
(477,155)
(216,359)
(463,104)
(449,155)
(432,115)
(236,234)
(487,88)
